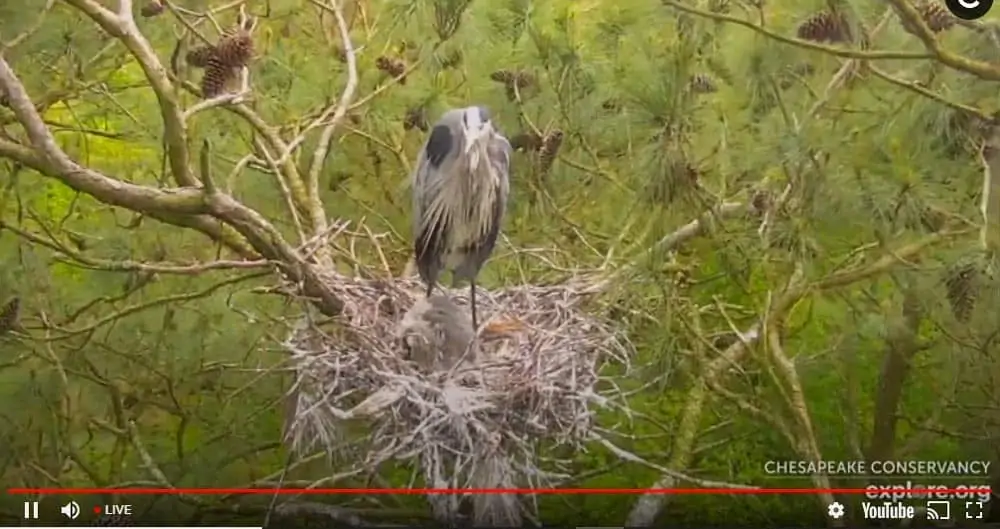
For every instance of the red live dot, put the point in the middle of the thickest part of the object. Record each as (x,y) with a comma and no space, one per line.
(97,510)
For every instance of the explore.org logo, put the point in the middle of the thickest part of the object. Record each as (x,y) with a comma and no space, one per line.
(910,490)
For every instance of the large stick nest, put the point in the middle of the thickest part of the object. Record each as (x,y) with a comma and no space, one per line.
(470,413)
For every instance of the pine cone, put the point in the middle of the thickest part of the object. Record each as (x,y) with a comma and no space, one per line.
(235,50)
(514,81)
(936,17)
(803,69)
(337,180)
(199,57)
(550,149)
(689,174)
(933,219)
(825,27)
(961,283)
(340,53)
(217,76)
(526,141)
(9,314)
(760,202)
(719,6)
(720,70)
(408,49)
(503,76)
(682,278)
(392,66)
(416,118)
(703,84)
(152,9)
(452,59)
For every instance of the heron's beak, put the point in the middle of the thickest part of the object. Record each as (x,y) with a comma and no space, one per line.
(477,134)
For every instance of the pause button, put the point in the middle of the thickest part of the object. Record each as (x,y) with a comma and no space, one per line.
(31,510)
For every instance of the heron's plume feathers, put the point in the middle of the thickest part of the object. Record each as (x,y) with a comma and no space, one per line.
(444,202)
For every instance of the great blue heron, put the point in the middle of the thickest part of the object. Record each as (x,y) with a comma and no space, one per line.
(460,189)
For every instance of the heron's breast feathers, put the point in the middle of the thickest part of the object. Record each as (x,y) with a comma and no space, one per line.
(460,205)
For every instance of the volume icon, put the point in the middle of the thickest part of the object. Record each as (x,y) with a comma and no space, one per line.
(71,510)
(31,510)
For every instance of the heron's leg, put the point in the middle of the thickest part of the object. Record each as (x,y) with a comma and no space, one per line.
(472,302)
(430,288)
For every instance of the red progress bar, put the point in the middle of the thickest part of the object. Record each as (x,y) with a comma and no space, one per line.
(228,491)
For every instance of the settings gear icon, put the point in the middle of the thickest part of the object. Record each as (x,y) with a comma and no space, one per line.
(835,510)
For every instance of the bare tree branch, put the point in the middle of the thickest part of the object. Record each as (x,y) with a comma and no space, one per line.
(916,87)
(51,159)
(180,207)
(169,204)
(829,50)
(911,18)
(122,26)
(326,137)
(648,506)
(989,205)
(81,260)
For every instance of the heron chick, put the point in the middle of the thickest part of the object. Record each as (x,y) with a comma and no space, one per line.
(436,333)
(460,189)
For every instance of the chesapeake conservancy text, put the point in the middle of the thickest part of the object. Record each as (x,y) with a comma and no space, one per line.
(886,468)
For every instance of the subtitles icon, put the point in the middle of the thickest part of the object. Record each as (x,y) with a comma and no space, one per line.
(938,510)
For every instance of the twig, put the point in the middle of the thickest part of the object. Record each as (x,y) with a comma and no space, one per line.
(915,86)
(31,30)
(123,27)
(990,203)
(166,300)
(911,17)
(629,456)
(326,137)
(79,259)
(286,191)
(229,98)
(49,159)
(829,50)
(150,463)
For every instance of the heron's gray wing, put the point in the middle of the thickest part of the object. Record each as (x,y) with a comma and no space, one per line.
(440,143)
(430,226)
(429,250)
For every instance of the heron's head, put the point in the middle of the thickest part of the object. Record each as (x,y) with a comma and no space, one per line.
(476,126)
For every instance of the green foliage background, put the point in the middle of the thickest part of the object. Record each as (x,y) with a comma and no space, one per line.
(196,361)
